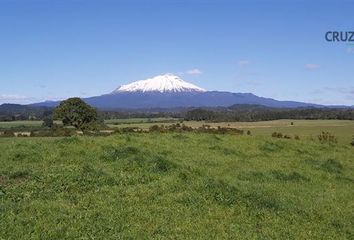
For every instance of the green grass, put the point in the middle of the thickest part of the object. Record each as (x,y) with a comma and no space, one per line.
(25,123)
(175,186)
(343,129)
(128,121)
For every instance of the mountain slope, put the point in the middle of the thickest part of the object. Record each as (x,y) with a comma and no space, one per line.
(170,91)
(131,100)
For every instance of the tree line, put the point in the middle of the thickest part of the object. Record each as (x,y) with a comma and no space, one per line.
(251,114)
(244,113)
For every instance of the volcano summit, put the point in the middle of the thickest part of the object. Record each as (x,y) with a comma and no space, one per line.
(162,83)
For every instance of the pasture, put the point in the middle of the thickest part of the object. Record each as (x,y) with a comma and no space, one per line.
(175,186)
(343,129)
(16,124)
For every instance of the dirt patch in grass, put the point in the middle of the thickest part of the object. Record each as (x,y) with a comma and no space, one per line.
(19,176)
(3,180)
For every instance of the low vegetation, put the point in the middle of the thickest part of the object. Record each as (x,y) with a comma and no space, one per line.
(327,138)
(175,185)
(203,129)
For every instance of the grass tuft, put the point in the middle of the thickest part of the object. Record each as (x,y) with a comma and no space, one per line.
(271,146)
(114,153)
(332,166)
(221,192)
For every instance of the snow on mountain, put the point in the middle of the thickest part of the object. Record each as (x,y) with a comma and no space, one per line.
(162,83)
(169,91)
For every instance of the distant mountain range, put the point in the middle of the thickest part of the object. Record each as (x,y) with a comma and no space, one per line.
(170,91)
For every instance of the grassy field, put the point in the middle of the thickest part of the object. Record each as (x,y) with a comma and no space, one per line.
(23,124)
(139,120)
(12,124)
(343,129)
(175,186)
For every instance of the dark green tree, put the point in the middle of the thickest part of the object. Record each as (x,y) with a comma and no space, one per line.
(48,121)
(77,113)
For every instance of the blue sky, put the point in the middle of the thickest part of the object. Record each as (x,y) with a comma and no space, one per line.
(56,49)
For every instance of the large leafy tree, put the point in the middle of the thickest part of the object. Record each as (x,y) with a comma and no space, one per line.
(77,113)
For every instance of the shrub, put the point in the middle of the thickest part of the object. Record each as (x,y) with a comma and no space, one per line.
(186,128)
(352,143)
(327,138)
(130,130)
(203,129)
(8,133)
(277,135)
(156,128)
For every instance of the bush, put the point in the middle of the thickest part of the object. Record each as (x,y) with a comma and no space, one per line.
(277,135)
(285,136)
(130,130)
(352,143)
(156,128)
(327,138)
(203,129)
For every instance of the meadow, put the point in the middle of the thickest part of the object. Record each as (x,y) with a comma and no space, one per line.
(24,123)
(176,186)
(343,129)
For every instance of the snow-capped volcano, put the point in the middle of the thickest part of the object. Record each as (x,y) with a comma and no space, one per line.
(161,83)
(170,91)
